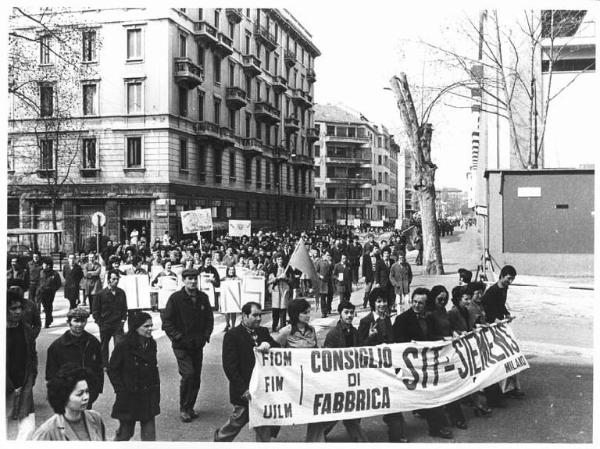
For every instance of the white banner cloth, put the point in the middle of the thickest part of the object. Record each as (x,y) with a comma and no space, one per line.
(296,386)
(137,290)
(239,228)
(197,220)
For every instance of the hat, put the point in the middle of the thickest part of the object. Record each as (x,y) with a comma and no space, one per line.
(189,272)
(137,319)
(79,313)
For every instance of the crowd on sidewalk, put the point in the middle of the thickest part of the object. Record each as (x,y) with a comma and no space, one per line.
(77,361)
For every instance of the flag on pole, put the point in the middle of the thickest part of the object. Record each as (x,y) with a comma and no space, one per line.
(300,260)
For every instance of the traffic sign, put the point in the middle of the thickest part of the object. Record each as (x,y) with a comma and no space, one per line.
(98,219)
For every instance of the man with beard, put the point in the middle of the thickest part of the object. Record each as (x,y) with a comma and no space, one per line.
(80,347)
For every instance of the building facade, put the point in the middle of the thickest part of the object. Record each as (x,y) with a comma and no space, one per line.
(356,165)
(177,109)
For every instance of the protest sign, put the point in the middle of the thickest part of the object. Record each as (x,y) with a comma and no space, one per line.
(198,220)
(239,228)
(137,290)
(296,386)
(398,224)
(377,223)
(253,289)
(206,285)
(230,300)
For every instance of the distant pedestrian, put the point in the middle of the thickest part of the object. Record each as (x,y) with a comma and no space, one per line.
(72,273)
(280,283)
(188,322)
(239,344)
(34,269)
(342,277)
(133,372)
(324,269)
(401,277)
(91,279)
(49,284)
(16,275)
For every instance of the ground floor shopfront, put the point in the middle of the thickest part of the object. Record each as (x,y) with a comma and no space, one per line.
(150,210)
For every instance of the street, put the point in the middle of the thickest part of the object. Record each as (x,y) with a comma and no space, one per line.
(554,325)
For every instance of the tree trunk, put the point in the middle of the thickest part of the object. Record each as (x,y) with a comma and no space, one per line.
(419,141)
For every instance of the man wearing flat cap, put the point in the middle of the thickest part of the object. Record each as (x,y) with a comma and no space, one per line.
(188,322)
(77,346)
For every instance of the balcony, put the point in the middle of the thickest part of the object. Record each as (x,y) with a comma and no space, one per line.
(251,65)
(302,159)
(265,37)
(334,160)
(228,136)
(340,200)
(224,47)
(352,181)
(280,153)
(360,140)
(312,135)
(234,14)
(279,84)
(235,98)
(252,146)
(311,76)
(208,132)
(300,98)
(188,74)
(206,34)
(292,125)
(289,58)
(265,112)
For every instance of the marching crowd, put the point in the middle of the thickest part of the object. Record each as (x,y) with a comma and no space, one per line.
(77,361)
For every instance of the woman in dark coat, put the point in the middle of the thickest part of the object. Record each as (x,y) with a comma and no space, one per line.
(133,371)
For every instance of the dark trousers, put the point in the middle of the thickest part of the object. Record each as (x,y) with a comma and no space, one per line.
(189,363)
(493,395)
(368,288)
(419,259)
(455,412)
(47,302)
(127,428)
(354,269)
(106,333)
(236,422)
(31,292)
(436,419)
(395,424)
(279,314)
(73,302)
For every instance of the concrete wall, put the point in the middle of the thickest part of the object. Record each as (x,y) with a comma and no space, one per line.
(534,236)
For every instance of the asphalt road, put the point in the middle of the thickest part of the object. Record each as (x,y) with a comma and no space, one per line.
(557,407)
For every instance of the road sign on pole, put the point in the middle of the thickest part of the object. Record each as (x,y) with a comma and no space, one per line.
(98,219)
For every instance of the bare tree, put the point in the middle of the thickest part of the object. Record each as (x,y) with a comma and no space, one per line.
(46,83)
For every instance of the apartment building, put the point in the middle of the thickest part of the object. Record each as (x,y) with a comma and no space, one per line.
(176,109)
(356,165)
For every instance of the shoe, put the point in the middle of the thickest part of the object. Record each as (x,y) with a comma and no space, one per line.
(185,417)
(193,413)
(226,328)
(482,410)
(216,436)
(461,425)
(515,394)
(442,433)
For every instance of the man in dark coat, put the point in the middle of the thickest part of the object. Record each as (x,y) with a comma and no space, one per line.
(238,362)
(354,255)
(188,322)
(382,275)
(34,268)
(48,285)
(110,313)
(72,273)
(342,277)
(324,268)
(16,275)
(401,278)
(80,347)
(369,267)
(413,325)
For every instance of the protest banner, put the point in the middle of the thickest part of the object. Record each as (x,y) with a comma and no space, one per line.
(398,224)
(297,386)
(206,285)
(239,228)
(197,220)
(137,290)
(230,300)
(377,223)
(253,289)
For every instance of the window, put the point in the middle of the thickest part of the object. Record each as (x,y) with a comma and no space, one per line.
(200,106)
(231,29)
(248,87)
(183,101)
(257,90)
(183,154)
(275,65)
(318,173)
(379,195)
(89,46)
(182,46)
(330,130)
(90,99)
(258,130)
(258,172)
(248,124)
(89,156)
(217,109)
(46,100)
(134,97)
(248,169)
(201,55)
(247,43)
(134,152)
(317,150)
(267,134)
(200,14)
(44,49)
(232,119)
(231,74)
(202,163)
(248,12)
(268,91)
(268,174)
(277,174)
(46,155)
(10,156)
(289,178)
(232,165)
(267,61)
(295,78)
(216,23)
(317,192)
(379,160)
(134,43)
(217,69)
(379,177)
(258,50)
(218,166)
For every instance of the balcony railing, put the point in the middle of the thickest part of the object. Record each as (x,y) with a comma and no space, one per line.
(263,35)
(252,146)
(234,14)
(225,46)
(251,65)
(206,33)
(311,76)
(188,74)
(292,125)
(349,139)
(266,112)
(290,58)
(235,98)
(279,84)
(299,97)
